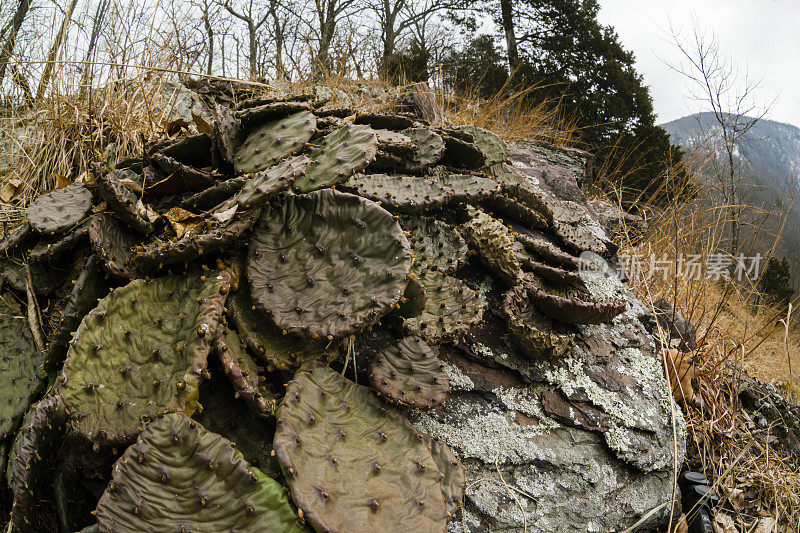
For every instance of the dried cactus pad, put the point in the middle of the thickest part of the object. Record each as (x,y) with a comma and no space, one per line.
(21,372)
(122,201)
(490,144)
(574,306)
(113,242)
(178,476)
(454,481)
(273,141)
(495,244)
(413,301)
(140,353)
(536,335)
(338,156)
(242,371)
(327,264)
(436,246)
(330,430)
(60,210)
(409,373)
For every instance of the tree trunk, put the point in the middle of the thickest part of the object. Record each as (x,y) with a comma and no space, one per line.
(8,47)
(507,14)
(280,70)
(51,57)
(97,24)
(210,33)
(253,51)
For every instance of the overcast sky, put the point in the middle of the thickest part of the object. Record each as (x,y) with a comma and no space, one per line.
(760,35)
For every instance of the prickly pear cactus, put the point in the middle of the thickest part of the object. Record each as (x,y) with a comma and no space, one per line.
(534,334)
(403,194)
(273,141)
(263,186)
(30,465)
(242,372)
(60,210)
(571,304)
(508,207)
(413,301)
(125,205)
(469,188)
(430,148)
(409,373)
(326,264)
(338,156)
(178,476)
(21,372)
(384,121)
(214,195)
(436,245)
(495,244)
(49,249)
(454,482)
(140,354)
(114,243)
(494,149)
(452,309)
(278,351)
(330,429)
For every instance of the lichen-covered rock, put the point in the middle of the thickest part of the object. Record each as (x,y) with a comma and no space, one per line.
(60,210)
(273,141)
(403,194)
(180,477)
(21,372)
(330,429)
(326,264)
(338,156)
(409,373)
(140,354)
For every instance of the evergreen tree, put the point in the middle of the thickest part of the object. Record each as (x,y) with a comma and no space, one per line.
(479,66)
(776,281)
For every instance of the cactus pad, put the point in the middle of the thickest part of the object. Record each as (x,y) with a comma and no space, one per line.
(451,310)
(15,237)
(403,194)
(454,482)
(178,476)
(60,210)
(511,208)
(436,245)
(123,202)
(226,132)
(282,352)
(495,244)
(490,144)
(214,195)
(413,301)
(409,373)
(469,188)
(253,116)
(384,121)
(430,148)
(572,304)
(21,372)
(536,335)
(327,264)
(338,156)
(49,249)
(460,153)
(140,353)
(329,430)
(273,141)
(113,243)
(242,372)
(262,186)
(544,248)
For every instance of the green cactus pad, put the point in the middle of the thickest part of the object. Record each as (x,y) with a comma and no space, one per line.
(21,372)
(403,194)
(338,156)
(435,245)
(49,249)
(282,352)
(112,242)
(385,121)
(396,143)
(461,154)
(226,132)
(193,150)
(430,148)
(409,373)
(90,286)
(495,244)
(60,210)
(124,203)
(178,476)
(45,278)
(326,264)
(243,372)
(214,195)
(221,412)
(454,482)
(263,186)
(140,353)
(205,240)
(534,334)
(30,465)
(413,301)
(254,116)
(451,310)
(509,207)
(273,141)
(469,188)
(329,430)
(494,149)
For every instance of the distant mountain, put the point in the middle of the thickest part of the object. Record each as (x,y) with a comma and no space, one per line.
(768,159)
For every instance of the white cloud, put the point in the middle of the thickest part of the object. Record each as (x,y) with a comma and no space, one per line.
(759,35)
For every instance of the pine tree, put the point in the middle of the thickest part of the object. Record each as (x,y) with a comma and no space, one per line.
(776,281)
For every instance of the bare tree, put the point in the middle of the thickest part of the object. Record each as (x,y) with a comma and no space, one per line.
(97,24)
(11,38)
(718,83)
(249,17)
(54,50)
(327,14)
(395,17)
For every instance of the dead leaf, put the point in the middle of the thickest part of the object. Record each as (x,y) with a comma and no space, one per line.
(680,372)
(62,181)
(766,524)
(174,127)
(223,217)
(183,221)
(202,125)
(724,524)
(146,212)
(737,499)
(681,526)
(10,190)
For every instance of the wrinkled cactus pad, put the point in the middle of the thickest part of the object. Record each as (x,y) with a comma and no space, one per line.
(262,186)
(402,194)
(327,264)
(125,205)
(60,210)
(430,148)
(21,372)
(243,372)
(413,301)
(140,353)
(112,242)
(329,430)
(537,336)
(571,304)
(454,482)
(178,476)
(338,156)
(409,373)
(490,144)
(495,245)
(436,245)
(273,141)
